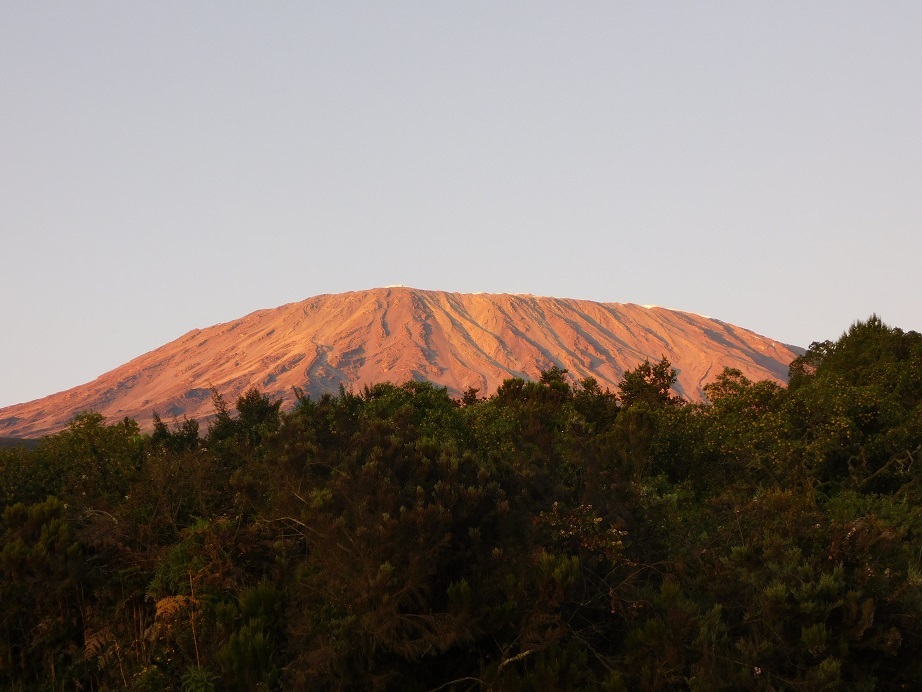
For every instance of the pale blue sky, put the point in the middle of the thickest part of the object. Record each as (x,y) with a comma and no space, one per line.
(171,165)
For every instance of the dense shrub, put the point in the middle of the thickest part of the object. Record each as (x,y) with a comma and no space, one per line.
(551,536)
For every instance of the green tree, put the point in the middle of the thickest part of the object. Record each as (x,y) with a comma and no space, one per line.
(42,603)
(649,384)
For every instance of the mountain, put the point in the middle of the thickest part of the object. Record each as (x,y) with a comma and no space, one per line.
(452,339)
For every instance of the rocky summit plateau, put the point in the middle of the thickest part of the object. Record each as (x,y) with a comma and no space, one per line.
(395,334)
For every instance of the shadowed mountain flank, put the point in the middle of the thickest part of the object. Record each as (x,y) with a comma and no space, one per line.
(452,339)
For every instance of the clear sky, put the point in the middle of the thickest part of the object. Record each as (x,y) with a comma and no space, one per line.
(172,165)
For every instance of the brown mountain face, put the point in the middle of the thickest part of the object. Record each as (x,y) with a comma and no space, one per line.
(395,334)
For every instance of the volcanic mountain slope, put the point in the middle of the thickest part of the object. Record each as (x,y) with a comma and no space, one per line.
(396,334)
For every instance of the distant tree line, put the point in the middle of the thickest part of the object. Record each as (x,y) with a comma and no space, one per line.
(552,536)
(17,442)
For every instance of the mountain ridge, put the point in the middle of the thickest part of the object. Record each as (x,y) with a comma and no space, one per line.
(397,333)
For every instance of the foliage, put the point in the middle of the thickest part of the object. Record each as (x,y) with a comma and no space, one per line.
(550,536)
(650,385)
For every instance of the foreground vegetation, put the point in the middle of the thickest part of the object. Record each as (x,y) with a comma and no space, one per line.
(551,536)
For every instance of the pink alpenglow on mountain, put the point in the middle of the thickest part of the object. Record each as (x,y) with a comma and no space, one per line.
(397,334)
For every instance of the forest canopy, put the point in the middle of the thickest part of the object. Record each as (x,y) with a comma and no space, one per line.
(552,536)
